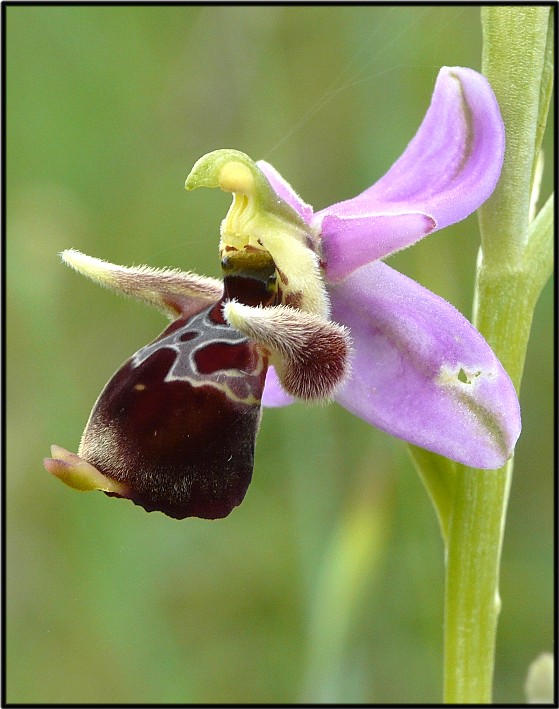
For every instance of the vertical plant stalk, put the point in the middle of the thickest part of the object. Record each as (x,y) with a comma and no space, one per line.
(515,264)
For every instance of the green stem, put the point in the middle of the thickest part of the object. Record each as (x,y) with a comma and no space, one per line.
(516,264)
(472,602)
(475,534)
(505,305)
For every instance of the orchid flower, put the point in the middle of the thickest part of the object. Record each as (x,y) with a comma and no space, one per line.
(306,310)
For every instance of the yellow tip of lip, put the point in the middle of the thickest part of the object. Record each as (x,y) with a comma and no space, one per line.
(79,474)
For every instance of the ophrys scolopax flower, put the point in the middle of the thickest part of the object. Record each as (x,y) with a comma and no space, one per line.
(306,310)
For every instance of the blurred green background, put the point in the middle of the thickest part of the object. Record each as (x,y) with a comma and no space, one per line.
(327,583)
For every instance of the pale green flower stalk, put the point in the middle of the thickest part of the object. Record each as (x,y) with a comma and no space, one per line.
(516,260)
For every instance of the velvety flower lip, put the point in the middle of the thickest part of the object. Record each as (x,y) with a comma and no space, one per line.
(175,427)
(420,370)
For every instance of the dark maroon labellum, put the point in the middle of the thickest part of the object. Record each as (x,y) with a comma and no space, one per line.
(178,422)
